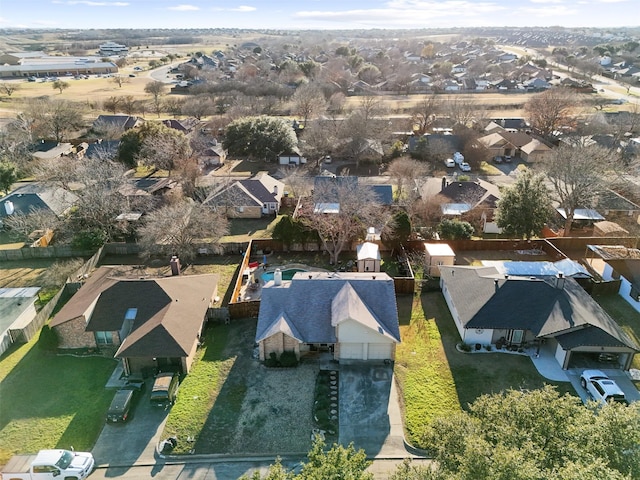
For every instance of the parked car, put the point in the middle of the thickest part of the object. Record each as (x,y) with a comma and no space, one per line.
(132,75)
(32,79)
(465,167)
(49,464)
(497,159)
(449,163)
(327,159)
(165,389)
(601,388)
(507,158)
(124,401)
(458,157)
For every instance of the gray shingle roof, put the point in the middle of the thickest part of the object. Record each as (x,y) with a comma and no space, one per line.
(308,302)
(485,299)
(36,196)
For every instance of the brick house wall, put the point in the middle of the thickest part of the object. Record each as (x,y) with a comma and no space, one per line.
(72,334)
(278,343)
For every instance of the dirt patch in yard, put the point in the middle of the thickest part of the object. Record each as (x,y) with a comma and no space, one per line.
(259,410)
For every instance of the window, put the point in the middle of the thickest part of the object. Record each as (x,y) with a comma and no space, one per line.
(516,336)
(131,314)
(104,338)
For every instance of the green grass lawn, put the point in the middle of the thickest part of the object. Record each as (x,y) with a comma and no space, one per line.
(435,379)
(50,401)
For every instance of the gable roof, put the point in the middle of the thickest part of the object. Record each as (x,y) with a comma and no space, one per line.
(255,191)
(384,193)
(485,299)
(37,196)
(169,310)
(368,250)
(124,122)
(308,303)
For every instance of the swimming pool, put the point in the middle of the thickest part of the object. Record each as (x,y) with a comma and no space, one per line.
(286,274)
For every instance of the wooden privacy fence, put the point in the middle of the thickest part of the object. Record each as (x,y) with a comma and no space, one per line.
(28,253)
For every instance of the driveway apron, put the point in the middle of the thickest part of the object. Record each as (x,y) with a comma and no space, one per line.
(369,410)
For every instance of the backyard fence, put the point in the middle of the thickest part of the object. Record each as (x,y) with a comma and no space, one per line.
(28,253)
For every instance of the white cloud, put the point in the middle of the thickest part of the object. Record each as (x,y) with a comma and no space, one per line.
(184,8)
(241,8)
(546,1)
(549,11)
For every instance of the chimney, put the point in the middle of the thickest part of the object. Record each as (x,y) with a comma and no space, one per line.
(495,283)
(444,183)
(277,277)
(560,281)
(175,265)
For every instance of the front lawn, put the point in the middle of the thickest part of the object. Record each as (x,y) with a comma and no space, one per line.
(50,401)
(435,379)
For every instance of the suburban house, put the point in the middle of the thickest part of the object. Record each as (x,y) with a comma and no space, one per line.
(437,254)
(150,323)
(37,196)
(619,263)
(185,125)
(251,198)
(352,315)
(515,144)
(291,158)
(105,149)
(17,310)
(506,124)
(52,150)
(116,122)
(213,156)
(615,206)
(551,312)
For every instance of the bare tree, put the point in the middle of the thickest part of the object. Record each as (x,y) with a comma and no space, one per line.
(165,150)
(425,111)
(308,101)
(461,109)
(107,130)
(128,104)
(53,119)
(156,89)
(577,173)
(57,172)
(551,110)
(405,170)
(9,87)
(181,229)
(199,107)
(22,226)
(358,209)
(120,80)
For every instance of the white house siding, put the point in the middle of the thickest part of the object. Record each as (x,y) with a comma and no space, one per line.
(358,342)
(452,309)
(473,336)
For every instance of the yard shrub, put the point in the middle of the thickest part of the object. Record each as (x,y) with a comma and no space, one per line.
(272,361)
(465,347)
(288,359)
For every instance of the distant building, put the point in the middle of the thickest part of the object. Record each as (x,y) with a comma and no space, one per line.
(112,48)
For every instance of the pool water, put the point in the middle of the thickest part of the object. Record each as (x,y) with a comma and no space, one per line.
(286,274)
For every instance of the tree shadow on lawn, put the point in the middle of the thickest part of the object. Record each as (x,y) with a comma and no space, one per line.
(476,374)
(51,401)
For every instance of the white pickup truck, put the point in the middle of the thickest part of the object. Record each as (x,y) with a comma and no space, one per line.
(49,465)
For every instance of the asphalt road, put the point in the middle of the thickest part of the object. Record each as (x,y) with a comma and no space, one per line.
(222,470)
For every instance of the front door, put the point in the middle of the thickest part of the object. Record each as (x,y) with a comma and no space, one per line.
(515,337)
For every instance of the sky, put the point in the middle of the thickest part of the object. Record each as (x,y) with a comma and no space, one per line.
(316,14)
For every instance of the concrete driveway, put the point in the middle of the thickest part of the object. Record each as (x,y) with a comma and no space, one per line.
(133,442)
(619,376)
(369,410)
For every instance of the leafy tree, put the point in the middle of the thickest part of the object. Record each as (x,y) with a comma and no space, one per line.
(335,464)
(260,137)
(89,239)
(527,435)
(398,231)
(525,206)
(8,176)
(60,85)
(289,230)
(455,230)
(181,228)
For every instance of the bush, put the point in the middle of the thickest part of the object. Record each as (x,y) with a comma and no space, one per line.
(465,347)
(288,359)
(272,361)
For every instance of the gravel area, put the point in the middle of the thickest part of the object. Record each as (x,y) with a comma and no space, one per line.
(276,413)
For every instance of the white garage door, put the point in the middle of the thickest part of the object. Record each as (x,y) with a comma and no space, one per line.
(380,351)
(351,351)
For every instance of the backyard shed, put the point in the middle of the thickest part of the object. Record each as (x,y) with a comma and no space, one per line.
(368,257)
(437,254)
